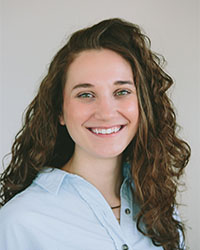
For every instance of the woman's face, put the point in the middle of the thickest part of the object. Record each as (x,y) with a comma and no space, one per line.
(100,108)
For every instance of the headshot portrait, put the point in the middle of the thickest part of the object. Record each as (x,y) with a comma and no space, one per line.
(99,126)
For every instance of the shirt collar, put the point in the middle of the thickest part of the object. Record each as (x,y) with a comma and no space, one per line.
(51,179)
(127,170)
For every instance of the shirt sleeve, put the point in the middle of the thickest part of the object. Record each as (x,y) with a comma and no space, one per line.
(13,234)
(177,217)
(19,229)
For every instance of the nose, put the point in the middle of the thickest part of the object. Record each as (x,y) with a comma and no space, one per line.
(106,109)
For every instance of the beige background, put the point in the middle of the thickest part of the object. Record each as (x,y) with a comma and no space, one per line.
(33,31)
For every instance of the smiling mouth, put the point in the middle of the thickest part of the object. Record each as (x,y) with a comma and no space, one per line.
(106,131)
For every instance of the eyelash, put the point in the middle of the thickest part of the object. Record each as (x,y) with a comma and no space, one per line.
(83,95)
(117,93)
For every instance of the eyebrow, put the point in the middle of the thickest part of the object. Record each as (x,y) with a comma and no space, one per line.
(89,85)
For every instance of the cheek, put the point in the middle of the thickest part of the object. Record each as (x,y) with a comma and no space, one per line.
(131,110)
(75,113)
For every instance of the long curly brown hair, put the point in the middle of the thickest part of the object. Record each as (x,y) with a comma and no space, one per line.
(157,156)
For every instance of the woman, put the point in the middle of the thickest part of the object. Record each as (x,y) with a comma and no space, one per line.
(97,162)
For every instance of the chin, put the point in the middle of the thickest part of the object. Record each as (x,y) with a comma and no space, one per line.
(108,155)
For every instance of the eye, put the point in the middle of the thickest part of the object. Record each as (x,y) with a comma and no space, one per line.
(85,95)
(122,92)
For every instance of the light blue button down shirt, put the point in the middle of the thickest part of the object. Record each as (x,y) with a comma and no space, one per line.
(61,211)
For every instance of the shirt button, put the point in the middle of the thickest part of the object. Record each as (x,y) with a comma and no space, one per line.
(125,247)
(127,211)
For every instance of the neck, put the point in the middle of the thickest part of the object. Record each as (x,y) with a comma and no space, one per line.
(104,174)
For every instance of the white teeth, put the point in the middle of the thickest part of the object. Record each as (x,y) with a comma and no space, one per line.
(116,129)
(95,131)
(109,131)
(106,131)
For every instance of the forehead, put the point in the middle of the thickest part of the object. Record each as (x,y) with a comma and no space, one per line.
(99,65)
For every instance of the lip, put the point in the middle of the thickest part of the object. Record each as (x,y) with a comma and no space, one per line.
(106,127)
(107,135)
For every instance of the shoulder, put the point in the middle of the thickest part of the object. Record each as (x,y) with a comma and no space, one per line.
(48,193)
(19,206)
(26,216)
(15,218)
(22,223)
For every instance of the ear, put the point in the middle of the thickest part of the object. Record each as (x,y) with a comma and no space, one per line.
(61,120)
